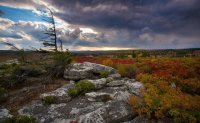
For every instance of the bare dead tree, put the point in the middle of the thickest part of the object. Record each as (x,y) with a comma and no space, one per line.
(51,39)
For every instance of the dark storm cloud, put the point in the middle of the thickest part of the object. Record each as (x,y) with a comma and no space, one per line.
(161,16)
(124,23)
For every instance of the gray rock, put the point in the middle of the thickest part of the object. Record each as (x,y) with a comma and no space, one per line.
(60,120)
(115,76)
(98,83)
(43,114)
(99,96)
(108,104)
(112,112)
(4,113)
(134,87)
(173,85)
(76,112)
(82,110)
(115,83)
(86,70)
(109,79)
(60,112)
(121,96)
(60,93)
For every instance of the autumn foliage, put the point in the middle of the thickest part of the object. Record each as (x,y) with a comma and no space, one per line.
(172,86)
(171,90)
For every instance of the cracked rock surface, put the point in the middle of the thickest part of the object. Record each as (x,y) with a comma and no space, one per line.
(107,103)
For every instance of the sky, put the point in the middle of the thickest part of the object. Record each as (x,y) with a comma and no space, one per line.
(103,24)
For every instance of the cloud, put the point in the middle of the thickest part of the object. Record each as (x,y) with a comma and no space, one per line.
(24,34)
(25,4)
(114,23)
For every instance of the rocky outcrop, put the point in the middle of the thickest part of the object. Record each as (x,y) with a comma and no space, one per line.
(107,103)
(86,70)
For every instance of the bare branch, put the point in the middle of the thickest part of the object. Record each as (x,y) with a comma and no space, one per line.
(12,46)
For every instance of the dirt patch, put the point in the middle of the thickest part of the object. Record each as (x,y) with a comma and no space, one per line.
(21,96)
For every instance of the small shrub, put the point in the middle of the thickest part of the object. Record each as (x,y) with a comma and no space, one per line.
(2,94)
(134,55)
(73,92)
(11,74)
(181,116)
(19,119)
(127,70)
(160,100)
(61,60)
(108,62)
(49,100)
(22,56)
(147,78)
(146,69)
(104,74)
(82,87)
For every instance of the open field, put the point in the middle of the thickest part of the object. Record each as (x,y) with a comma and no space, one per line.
(172,84)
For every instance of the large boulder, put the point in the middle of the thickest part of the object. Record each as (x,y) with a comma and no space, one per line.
(86,70)
(134,87)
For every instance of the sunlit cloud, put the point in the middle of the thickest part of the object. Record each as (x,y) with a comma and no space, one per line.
(105,25)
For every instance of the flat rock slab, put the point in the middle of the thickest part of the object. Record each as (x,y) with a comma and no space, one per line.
(112,112)
(86,70)
(99,96)
(116,83)
(62,112)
